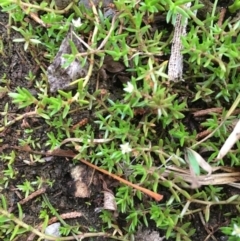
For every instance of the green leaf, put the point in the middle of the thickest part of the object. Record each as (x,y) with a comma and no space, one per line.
(193,161)
(3,219)
(235,6)
(74,49)
(20,212)
(4,202)
(207,213)
(14,233)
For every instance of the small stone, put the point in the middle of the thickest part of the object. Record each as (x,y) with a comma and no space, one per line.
(53,230)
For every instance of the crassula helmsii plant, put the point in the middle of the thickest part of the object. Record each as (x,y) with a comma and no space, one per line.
(147,123)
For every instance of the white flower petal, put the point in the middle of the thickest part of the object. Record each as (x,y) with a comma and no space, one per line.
(125,148)
(129,87)
(77,23)
(236,230)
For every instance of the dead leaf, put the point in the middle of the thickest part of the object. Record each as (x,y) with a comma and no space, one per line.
(231,140)
(60,77)
(228,175)
(109,201)
(83,177)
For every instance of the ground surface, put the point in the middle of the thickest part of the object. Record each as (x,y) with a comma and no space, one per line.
(16,64)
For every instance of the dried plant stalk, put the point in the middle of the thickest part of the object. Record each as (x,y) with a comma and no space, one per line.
(175,66)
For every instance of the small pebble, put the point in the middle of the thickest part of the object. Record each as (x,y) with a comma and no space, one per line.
(53,230)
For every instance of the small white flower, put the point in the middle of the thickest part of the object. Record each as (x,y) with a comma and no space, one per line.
(129,87)
(236,230)
(125,148)
(77,23)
